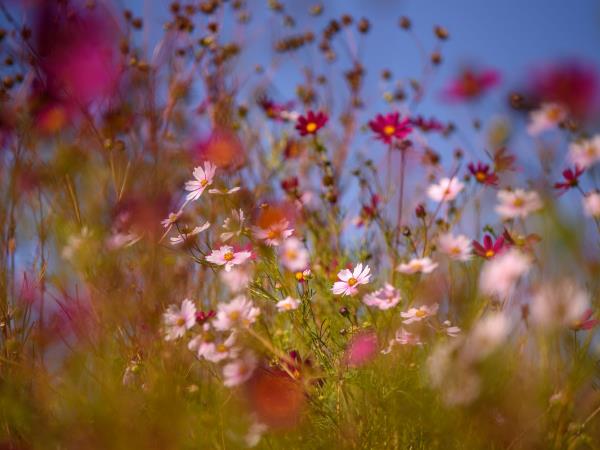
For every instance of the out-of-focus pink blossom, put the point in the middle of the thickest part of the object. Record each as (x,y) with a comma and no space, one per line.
(361,349)
(471,84)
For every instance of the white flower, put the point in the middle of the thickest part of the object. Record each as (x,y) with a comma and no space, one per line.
(255,433)
(225,256)
(287,304)
(451,330)
(275,234)
(178,320)
(420,313)
(240,370)
(237,278)
(591,204)
(384,298)
(559,304)
(351,280)
(224,191)
(206,345)
(404,337)
(499,275)
(74,243)
(456,247)
(416,265)
(233,225)
(203,178)
(486,336)
(183,237)
(547,117)
(585,153)
(240,312)
(293,255)
(446,190)
(517,203)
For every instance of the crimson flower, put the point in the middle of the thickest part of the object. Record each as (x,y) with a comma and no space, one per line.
(489,248)
(426,125)
(585,322)
(471,84)
(311,123)
(483,174)
(390,126)
(368,212)
(571,179)
(203,316)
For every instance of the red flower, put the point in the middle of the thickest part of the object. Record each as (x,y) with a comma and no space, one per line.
(426,125)
(471,84)
(311,123)
(586,322)
(290,185)
(489,249)
(482,174)
(390,126)
(202,316)
(368,212)
(571,177)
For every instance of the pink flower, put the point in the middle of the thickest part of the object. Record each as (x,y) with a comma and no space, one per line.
(275,234)
(238,313)
(417,265)
(240,370)
(390,126)
(446,190)
(586,322)
(227,257)
(384,298)
(293,255)
(311,123)
(351,280)
(287,304)
(178,320)
(361,349)
(202,179)
(420,313)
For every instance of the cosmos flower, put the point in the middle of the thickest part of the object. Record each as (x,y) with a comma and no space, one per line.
(384,298)
(591,204)
(418,265)
(178,320)
(234,225)
(202,179)
(240,370)
(489,248)
(517,203)
(500,275)
(483,174)
(571,177)
(238,313)
(311,123)
(275,234)
(558,304)
(546,118)
(471,84)
(420,313)
(585,322)
(237,278)
(456,247)
(171,219)
(390,126)
(226,256)
(361,349)
(287,304)
(585,153)
(446,190)
(184,237)
(451,330)
(486,336)
(293,255)
(349,281)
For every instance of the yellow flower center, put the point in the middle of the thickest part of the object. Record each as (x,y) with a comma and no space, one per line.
(271,234)
(420,313)
(299,276)
(311,127)
(234,315)
(221,348)
(180,322)
(291,254)
(554,113)
(287,306)
(228,256)
(204,182)
(389,130)
(352,281)
(455,250)
(480,176)
(489,253)
(518,202)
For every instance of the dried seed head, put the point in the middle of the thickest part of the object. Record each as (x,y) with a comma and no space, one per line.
(364,25)
(405,23)
(436,58)
(441,33)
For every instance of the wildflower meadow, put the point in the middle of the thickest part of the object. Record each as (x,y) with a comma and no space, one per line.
(299,225)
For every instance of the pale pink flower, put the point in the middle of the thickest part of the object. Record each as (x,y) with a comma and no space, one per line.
(237,278)
(591,204)
(240,370)
(287,304)
(184,237)
(255,433)
(349,281)
(404,337)
(450,329)
(585,153)
(558,304)
(420,313)
(202,179)
(446,190)
(546,118)
(486,336)
(517,203)
(456,247)
(500,275)
(293,255)
(227,257)
(275,234)
(224,191)
(213,348)
(418,265)
(178,320)
(171,219)
(384,298)
(234,225)
(240,312)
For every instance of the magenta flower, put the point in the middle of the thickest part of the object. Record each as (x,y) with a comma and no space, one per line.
(471,84)
(311,123)
(571,179)
(426,125)
(390,126)
(586,322)
(483,174)
(489,248)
